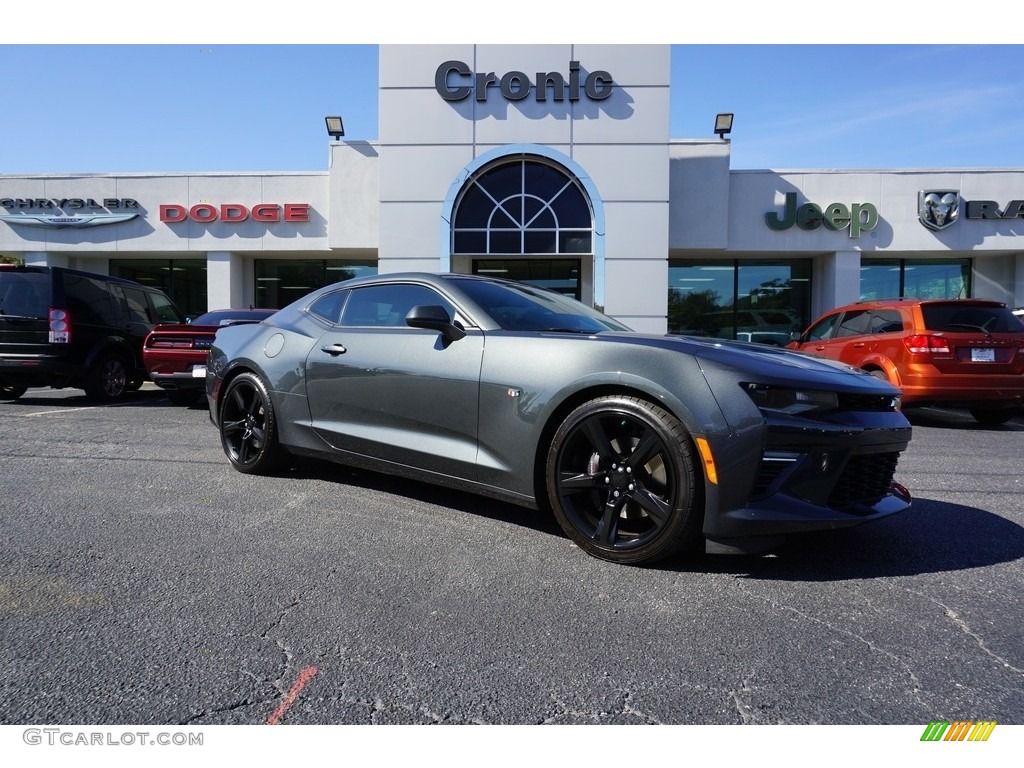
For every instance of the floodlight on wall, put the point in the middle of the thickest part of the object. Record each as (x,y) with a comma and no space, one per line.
(335,128)
(723,124)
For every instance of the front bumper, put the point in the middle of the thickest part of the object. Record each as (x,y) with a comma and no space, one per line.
(810,475)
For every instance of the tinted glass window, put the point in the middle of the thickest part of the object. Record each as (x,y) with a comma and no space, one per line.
(164,310)
(387,305)
(24,295)
(958,318)
(524,308)
(329,306)
(855,323)
(886,321)
(822,329)
(89,300)
(138,307)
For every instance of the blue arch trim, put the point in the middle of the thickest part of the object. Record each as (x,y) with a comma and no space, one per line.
(571,167)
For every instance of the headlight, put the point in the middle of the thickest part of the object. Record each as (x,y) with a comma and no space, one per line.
(792,401)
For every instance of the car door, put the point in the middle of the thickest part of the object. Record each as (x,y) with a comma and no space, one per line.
(381,389)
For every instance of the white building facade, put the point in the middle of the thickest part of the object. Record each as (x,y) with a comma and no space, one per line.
(546,163)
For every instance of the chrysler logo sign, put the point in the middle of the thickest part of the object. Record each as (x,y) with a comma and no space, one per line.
(60,213)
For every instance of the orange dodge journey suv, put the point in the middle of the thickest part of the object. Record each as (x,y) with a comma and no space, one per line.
(966,353)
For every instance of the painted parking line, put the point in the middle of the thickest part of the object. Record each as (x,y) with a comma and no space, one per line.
(306,675)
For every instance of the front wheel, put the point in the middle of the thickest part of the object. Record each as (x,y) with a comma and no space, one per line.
(621,480)
(992,416)
(9,391)
(248,429)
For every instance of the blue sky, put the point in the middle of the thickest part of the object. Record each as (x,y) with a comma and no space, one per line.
(111,107)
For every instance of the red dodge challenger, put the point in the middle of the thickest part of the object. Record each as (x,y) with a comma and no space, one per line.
(175,355)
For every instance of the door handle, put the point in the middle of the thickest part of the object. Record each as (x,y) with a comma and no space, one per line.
(334,349)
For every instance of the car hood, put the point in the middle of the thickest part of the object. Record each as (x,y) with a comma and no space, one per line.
(768,364)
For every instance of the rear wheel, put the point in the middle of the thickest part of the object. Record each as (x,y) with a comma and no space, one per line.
(992,416)
(621,480)
(9,391)
(107,380)
(248,428)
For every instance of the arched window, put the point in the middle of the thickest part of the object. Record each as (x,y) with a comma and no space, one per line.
(523,207)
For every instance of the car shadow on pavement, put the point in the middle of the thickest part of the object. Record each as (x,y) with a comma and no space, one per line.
(949,418)
(71,398)
(931,537)
(450,498)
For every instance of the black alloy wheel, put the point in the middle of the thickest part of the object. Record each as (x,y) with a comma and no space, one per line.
(107,380)
(621,481)
(248,430)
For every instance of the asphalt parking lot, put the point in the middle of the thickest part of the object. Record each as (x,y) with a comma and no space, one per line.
(142,580)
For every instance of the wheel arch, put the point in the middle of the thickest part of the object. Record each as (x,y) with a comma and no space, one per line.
(884,364)
(577,398)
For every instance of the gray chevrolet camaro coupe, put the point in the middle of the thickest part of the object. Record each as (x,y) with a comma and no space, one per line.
(641,445)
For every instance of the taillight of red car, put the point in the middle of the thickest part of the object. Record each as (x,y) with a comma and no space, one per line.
(925,343)
(60,326)
(169,342)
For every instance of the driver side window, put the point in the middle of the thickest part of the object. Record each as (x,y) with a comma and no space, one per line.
(822,329)
(385,306)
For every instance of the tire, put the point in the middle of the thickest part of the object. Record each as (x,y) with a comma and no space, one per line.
(107,380)
(248,428)
(9,391)
(878,373)
(992,416)
(621,480)
(183,397)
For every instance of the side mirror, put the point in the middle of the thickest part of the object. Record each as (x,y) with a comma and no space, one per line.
(435,318)
(794,336)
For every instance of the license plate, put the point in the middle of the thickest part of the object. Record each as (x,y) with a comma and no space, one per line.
(983,355)
(199,372)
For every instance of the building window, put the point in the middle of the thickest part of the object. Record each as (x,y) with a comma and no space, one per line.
(184,280)
(920,279)
(559,275)
(758,301)
(523,207)
(279,282)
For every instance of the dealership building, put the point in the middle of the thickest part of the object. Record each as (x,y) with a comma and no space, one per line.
(551,164)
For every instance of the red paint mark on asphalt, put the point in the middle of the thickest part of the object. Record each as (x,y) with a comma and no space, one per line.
(304,677)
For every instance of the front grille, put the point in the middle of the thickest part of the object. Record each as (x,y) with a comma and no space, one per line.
(852,402)
(865,480)
(770,470)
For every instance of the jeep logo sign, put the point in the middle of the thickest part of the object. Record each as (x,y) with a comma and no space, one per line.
(455,81)
(858,217)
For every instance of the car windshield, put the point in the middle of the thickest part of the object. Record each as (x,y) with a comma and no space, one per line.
(527,308)
(957,318)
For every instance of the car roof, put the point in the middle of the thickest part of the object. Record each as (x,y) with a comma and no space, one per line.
(912,301)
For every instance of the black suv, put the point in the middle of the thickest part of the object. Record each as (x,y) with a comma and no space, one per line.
(64,328)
